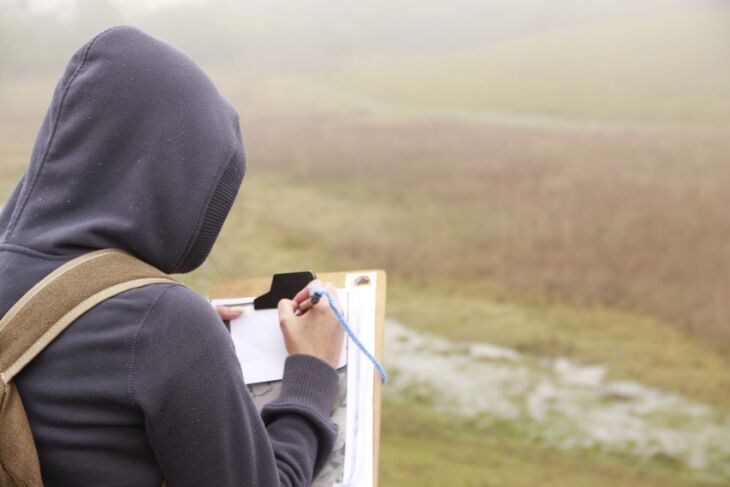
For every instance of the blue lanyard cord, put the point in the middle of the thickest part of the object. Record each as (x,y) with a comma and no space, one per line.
(318,292)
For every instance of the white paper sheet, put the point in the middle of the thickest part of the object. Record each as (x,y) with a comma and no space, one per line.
(259,343)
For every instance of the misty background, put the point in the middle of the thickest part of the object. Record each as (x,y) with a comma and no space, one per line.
(546,184)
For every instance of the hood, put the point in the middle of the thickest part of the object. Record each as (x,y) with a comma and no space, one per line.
(138,151)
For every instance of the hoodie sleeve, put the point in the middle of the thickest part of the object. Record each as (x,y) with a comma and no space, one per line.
(200,418)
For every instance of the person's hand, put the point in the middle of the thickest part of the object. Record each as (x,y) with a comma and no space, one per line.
(228,314)
(312,329)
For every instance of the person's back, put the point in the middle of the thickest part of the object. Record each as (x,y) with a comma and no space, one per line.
(139,152)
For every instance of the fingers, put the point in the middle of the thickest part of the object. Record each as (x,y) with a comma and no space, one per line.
(304,306)
(304,293)
(305,303)
(227,313)
(286,311)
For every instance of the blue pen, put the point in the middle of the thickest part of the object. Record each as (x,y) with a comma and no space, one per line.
(316,292)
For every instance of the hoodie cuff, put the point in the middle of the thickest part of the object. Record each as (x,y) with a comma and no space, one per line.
(309,382)
(308,390)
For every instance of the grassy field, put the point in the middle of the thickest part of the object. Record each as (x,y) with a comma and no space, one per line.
(602,244)
(607,219)
(428,449)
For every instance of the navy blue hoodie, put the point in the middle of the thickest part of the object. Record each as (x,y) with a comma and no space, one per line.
(139,151)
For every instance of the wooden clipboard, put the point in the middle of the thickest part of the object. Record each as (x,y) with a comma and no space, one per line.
(258,285)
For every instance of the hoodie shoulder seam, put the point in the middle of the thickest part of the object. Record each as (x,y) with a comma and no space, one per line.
(133,352)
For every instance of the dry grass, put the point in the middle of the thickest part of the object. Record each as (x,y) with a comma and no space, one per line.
(633,220)
(279,225)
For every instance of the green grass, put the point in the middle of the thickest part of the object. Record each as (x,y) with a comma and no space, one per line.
(668,67)
(634,347)
(429,449)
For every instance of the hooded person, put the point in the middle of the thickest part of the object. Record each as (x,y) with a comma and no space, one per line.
(139,152)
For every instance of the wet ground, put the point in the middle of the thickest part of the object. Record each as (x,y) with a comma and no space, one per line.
(557,402)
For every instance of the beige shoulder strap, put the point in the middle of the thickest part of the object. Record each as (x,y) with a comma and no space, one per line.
(62,297)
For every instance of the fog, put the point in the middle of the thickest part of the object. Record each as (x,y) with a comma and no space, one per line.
(38,36)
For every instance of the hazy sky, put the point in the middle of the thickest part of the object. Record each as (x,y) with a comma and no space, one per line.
(40,6)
